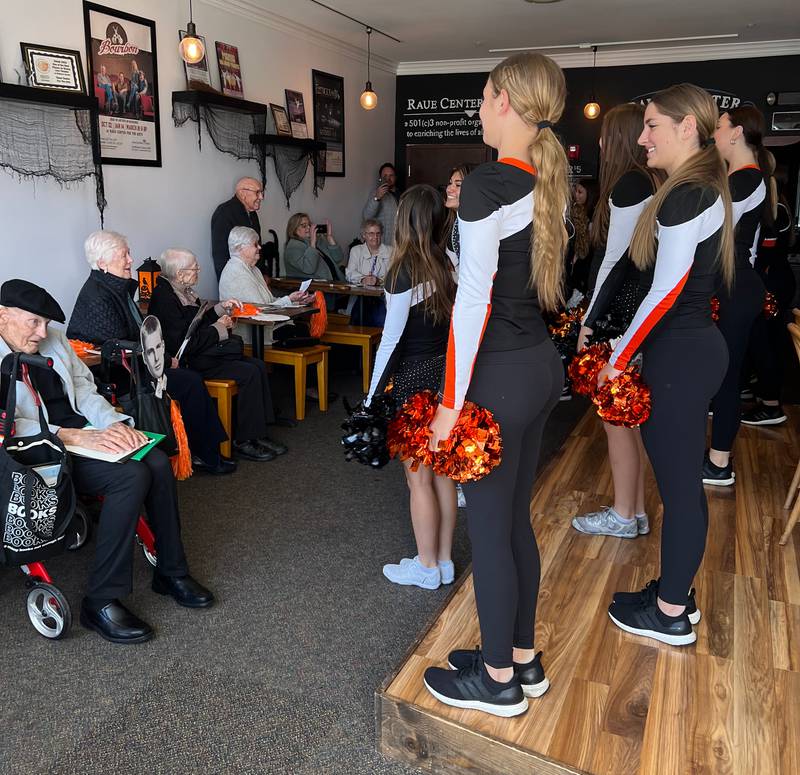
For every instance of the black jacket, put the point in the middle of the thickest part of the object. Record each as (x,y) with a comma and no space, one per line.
(226,216)
(103,310)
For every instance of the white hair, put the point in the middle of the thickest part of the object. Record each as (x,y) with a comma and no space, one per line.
(172,260)
(239,237)
(100,244)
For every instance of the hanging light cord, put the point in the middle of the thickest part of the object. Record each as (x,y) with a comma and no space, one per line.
(191,18)
(357,21)
(594,66)
(369,34)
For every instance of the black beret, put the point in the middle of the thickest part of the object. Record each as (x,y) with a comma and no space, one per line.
(32,298)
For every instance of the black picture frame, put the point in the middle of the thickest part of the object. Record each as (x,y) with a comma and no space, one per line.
(30,50)
(281,119)
(327,93)
(296,109)
(130,121)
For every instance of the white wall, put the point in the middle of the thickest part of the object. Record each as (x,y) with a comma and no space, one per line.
(43,226)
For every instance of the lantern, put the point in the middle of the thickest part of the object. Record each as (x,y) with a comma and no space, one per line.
(148,273)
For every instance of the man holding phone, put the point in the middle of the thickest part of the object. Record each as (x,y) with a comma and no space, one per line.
(382,202)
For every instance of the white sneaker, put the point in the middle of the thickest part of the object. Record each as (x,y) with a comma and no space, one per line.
(462,501)
(413,573)
(446,569)
(605,522)
(642,524)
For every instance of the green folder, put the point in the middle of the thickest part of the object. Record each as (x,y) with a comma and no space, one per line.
(155,438)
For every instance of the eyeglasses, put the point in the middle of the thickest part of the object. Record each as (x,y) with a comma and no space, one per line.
(304,225)
(256,191)
(195,268)
(373,233)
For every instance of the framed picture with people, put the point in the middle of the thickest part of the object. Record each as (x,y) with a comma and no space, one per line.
(328,95)
(230,73)
(123,75)
(295,105)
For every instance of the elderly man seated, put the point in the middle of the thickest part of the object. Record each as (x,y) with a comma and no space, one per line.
(80,416)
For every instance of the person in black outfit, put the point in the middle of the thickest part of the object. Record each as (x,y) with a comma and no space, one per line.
(105,310)
(240,210)
(214,352)
(684,355)
(71,402)
(501,357)
(739,140)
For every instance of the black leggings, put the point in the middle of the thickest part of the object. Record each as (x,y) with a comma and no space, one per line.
(684,369)
(737,312)
(520,387)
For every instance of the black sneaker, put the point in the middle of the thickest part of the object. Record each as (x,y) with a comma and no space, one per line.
(531,675)
(746,394)
(566,392)
(643,619)
(649,594)
(467,688)
(713,474)
(764,415)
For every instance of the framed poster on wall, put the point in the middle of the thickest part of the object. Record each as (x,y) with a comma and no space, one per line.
(123,75)
(328,95)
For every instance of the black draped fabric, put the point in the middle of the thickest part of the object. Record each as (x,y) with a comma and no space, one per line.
(39,139)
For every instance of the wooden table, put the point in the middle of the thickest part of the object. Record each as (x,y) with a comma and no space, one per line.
(345,289)
(257,326)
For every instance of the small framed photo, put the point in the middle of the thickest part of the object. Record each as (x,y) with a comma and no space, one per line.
(295,105)
(199,72)
(49,67)
(282,125)
(230,74)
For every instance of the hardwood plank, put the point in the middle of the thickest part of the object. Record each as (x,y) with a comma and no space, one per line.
(615,755)
(712,733)
(715,601)
(784,621)
(755,738)
(787,688)
(579,723)
(631,686)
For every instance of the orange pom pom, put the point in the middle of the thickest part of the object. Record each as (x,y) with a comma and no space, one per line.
(624,400)
(770,306)
(247,311)
(474,447)
(182,462)
(407,435)
(319,320)
(81,347)
(585,367)
(714,308)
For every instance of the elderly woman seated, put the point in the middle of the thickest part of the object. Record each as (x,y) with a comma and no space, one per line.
(311,250)
(242,280)
(105,310)
(212,350)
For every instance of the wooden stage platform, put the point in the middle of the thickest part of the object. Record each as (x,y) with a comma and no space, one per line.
(618,704)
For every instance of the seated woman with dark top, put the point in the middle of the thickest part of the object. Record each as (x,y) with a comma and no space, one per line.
(105,310)
(213,351)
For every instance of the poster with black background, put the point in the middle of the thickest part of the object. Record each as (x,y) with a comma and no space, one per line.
(328,96)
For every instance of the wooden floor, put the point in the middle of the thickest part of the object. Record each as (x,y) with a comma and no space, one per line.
(619,704)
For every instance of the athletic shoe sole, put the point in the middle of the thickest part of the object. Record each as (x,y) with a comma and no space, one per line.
(412,583)
(721,482)
(770,421)
(602,533)
(672,640)
(506,711)
(529,690)
(695,617)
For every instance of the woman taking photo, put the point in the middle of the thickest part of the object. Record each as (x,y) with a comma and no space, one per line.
(739,141)
(626,187)
(684,241)
(501,357)
(311,250)
(419,296)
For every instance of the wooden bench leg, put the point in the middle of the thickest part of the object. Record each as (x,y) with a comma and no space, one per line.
(366,358)
(300,389)
(322,382)
(790,496)
(791,523)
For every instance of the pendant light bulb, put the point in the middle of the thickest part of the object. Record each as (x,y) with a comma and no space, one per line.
(368,98)
(591,109)
(191,48)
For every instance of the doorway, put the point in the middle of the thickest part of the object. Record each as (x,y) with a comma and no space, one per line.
(432,163)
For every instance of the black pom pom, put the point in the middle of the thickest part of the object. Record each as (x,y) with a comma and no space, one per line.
(364,437)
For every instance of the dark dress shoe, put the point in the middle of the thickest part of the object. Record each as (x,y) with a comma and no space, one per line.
(186,591)
(220,468)
(252,450)
(115,623)
(273,446)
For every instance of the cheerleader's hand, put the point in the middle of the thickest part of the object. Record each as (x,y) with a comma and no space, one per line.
(583,335)
(442,426)
(608,372)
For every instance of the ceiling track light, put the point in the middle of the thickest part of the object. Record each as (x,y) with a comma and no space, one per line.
(191,48)
(368,98)
(614,43)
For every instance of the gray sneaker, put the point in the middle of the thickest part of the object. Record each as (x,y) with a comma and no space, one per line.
(604,523)
(642,524)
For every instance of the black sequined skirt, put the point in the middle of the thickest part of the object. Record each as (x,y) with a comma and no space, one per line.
(414,376)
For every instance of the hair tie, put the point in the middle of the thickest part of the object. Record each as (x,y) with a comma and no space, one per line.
(544,125)
(708,141)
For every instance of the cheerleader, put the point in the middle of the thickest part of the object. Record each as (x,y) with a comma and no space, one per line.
(739,142)
(684,356)
(500,356)
(419,296)
(627,186)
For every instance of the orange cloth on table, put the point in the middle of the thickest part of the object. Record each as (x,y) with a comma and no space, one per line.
(182,462)
(247,311)
(319,322)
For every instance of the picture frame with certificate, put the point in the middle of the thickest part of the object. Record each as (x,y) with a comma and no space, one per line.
(329,115)
(199,72)
(295,107)
(50,67)
(282,125)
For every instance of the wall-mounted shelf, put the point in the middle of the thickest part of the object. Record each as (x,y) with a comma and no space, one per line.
(51,133)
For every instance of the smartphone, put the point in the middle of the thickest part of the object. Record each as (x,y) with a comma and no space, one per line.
(322,228)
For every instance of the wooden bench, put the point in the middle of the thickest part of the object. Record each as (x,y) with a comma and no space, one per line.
(301,358)
(365,337)
(223,391)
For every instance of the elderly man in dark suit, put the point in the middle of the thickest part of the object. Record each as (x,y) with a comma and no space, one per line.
(239,210)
